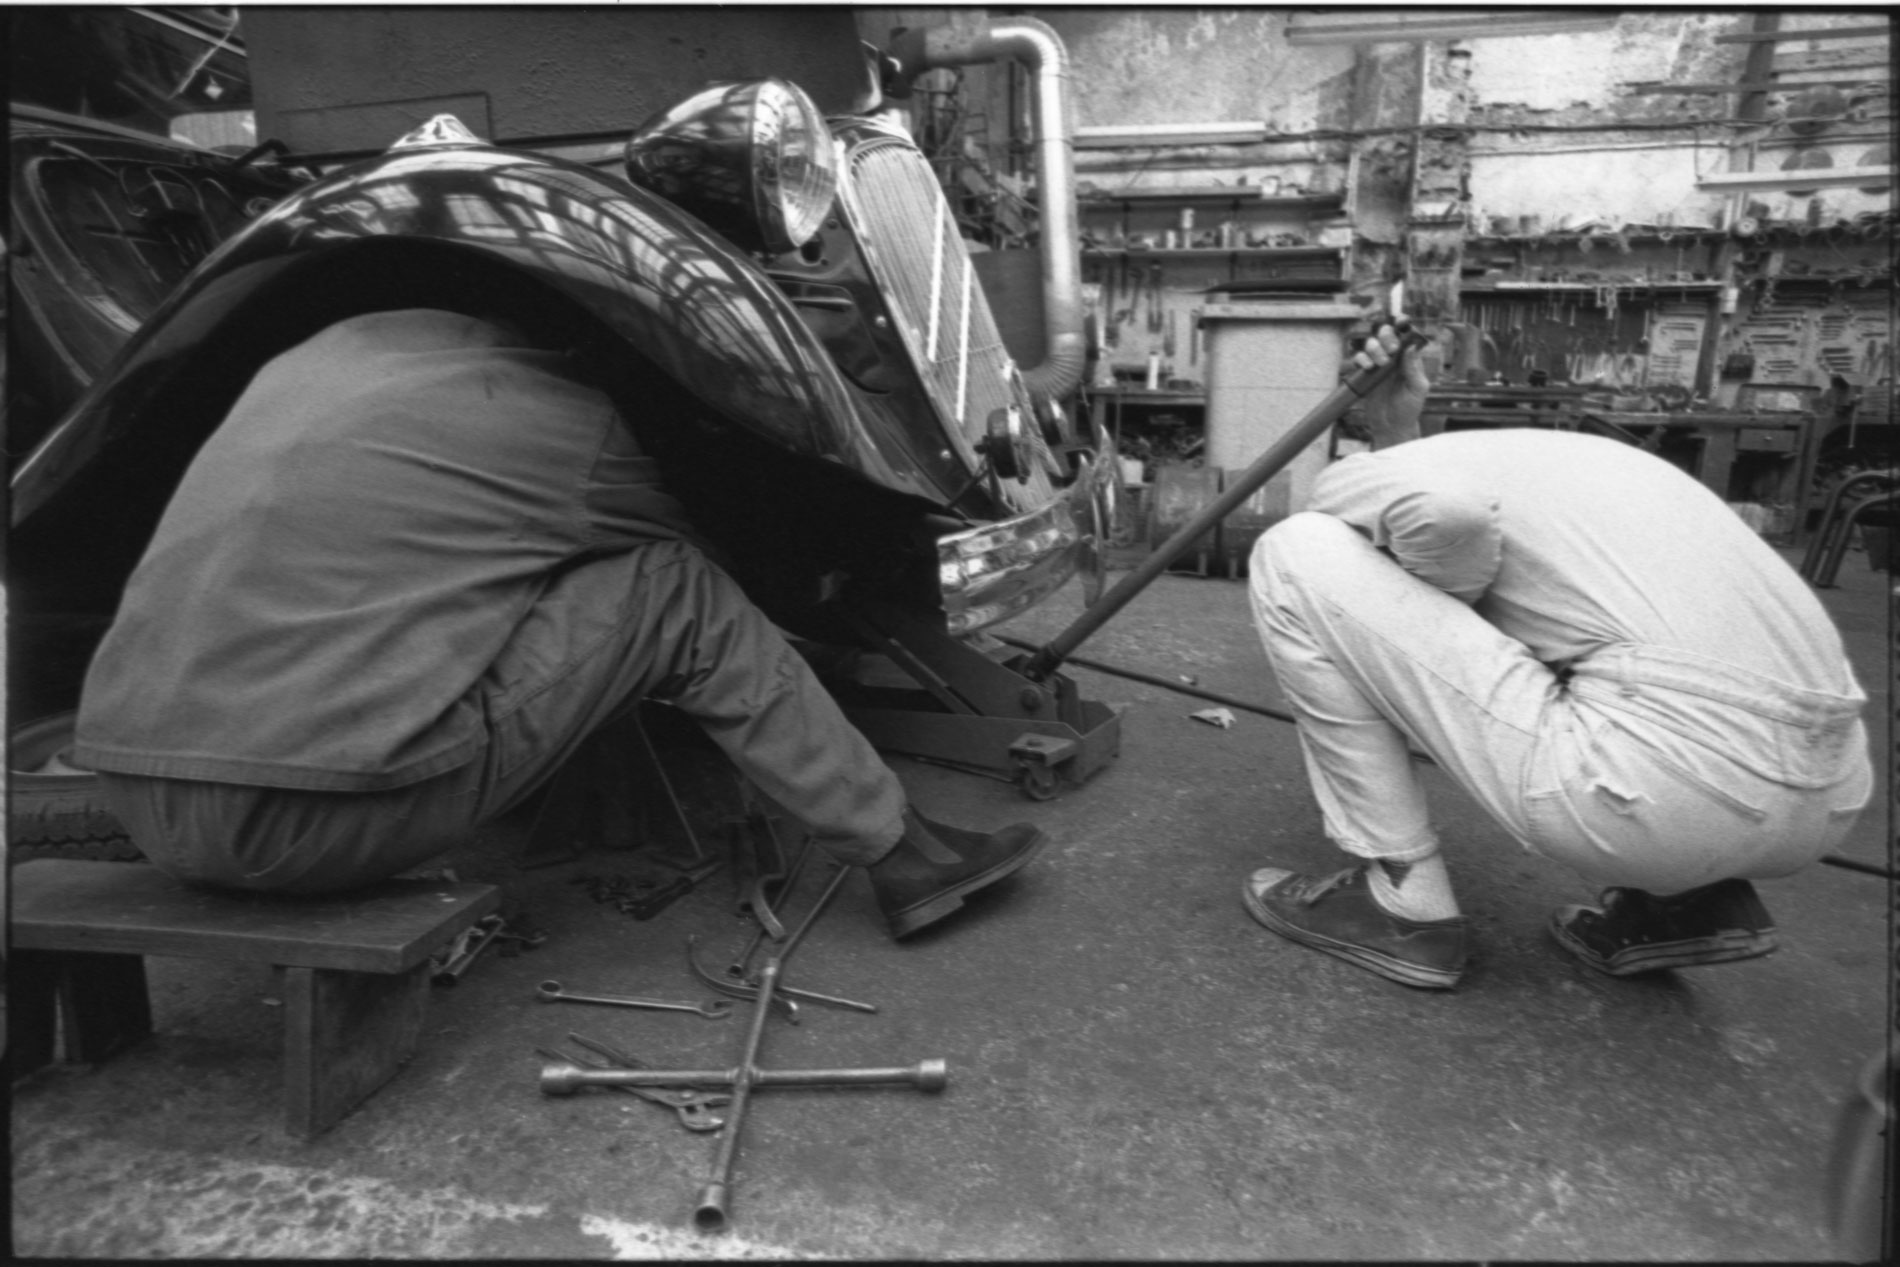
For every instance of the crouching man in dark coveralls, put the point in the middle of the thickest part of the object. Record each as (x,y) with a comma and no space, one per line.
(415,567)
(1595,647)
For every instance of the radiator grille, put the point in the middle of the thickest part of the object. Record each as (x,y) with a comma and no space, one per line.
(918,256)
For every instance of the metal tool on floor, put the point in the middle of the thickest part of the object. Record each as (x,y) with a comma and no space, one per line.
(472,942)
(736,974)
(748,988)
(772,927)
(566,1076)
(693,1108)
(761,863)
(554,992)
(488,931)
(737,989)
(711,1210)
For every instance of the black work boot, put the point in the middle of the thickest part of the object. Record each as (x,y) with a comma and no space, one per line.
(934,866)
(1635,932)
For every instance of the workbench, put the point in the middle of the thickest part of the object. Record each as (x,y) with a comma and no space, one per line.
(1107,405)
(1740,456)
(1109,408)
(1454,408)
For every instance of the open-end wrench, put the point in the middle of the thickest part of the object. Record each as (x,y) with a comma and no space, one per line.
(471,944)
(782,950)
(737,969)
(737,989)
(552,992)
(693,1108)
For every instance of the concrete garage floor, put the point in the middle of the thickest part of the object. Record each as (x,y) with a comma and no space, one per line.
(1137,1069)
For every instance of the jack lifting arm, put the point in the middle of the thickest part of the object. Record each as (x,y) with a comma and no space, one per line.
(1281,452)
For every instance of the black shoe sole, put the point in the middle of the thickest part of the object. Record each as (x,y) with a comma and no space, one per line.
(1392,969)
(1697,952)
(914,919)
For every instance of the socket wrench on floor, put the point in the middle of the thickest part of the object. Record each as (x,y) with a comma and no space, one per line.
(553,992)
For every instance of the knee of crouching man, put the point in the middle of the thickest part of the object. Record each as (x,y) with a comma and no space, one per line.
(1302,539)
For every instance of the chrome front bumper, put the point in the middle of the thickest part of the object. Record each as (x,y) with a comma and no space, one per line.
(991,573)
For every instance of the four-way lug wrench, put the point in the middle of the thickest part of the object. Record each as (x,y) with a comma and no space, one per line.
(710,1212)
(554,992)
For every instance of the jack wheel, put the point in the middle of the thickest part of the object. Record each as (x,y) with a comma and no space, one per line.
(1038,782)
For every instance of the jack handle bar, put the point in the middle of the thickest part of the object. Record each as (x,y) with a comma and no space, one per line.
(1269,464)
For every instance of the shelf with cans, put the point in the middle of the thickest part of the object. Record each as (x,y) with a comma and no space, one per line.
(1216,219)
(1154,257)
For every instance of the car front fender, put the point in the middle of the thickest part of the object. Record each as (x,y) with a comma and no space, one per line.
(436,219)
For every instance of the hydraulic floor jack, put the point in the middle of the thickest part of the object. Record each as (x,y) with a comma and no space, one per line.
(1018,717)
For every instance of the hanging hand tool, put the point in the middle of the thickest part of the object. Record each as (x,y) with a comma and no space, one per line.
(552,992)
(1278,455)
(693,1108)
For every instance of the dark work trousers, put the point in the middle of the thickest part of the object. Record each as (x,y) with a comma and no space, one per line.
(657,622)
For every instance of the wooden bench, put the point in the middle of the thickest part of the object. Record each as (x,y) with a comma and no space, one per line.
(352,970)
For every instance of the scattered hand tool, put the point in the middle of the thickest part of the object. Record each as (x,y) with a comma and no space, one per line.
(552,992)
(737,989)
(641,898)
(693,1108)
(473,941)
(736,971)
(761,864)
(710,1212)
(774,928)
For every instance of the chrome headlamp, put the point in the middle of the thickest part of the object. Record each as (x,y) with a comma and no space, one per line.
(754,160)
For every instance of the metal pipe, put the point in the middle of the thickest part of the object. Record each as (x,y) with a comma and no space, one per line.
(1852,864)
(567,1078)
(1181,688)
(1278,455)
(1037,45)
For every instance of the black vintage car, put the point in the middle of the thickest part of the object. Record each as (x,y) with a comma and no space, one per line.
(791,319)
